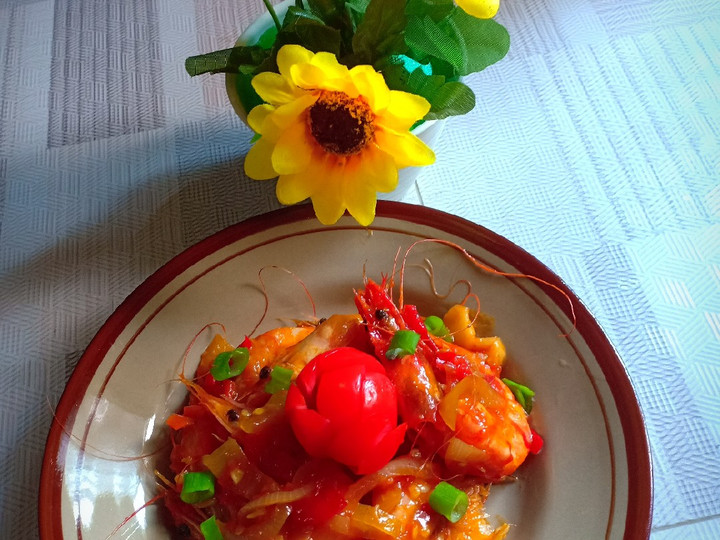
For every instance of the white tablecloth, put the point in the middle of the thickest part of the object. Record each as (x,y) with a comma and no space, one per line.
(594,145)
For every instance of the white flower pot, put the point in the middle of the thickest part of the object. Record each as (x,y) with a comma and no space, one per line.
(428,131)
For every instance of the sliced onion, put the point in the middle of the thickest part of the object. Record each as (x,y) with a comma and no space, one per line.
(275,498)
(253,421)
(269,527)
(463,454)
(404,466)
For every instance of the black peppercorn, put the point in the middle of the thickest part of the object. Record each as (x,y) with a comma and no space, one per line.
(265,372)
(233,415)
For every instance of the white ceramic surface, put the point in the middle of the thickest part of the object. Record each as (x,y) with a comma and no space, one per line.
(591,481)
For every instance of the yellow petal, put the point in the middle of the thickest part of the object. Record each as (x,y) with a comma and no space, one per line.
(482,9)
(258,162)
(286,115)
(360,194)
(403,111)
(362,205)
(406,149)
(294,188)
(289,55)
(274,88)
(327,199)
(379,170)
(330,65)
(314,76)
(293,150)
(256,117)
(371,85)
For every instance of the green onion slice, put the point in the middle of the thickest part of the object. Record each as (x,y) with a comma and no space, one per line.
(230,364)
(210,530)
(436,326)
(404,342)
(522,393)
(280,379)
(449,501)
(197,487)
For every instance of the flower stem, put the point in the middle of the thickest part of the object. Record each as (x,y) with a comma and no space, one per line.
(274,16)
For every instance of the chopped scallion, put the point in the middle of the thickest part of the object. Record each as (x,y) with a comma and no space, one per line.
(280,379)
(230,364)
(404,342)
(197,487)
(210,529)
(522,393)
(436,326)
(449,501)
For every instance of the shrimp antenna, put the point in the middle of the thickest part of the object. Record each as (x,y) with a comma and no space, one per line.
(194,339)
(125,521)
(488,269)
(430,271)
(267,299)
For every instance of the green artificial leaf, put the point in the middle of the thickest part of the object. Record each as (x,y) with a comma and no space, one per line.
(301,27)
(357,6)
(333,13)
(458,44)
(356,10)
(267,39)
(435,9)
(451,99)
(483,42)
(226,60)
(380,33)
(447,98)
(247,94)
(426,37)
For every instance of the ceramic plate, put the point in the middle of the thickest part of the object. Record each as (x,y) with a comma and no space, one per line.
(591,481)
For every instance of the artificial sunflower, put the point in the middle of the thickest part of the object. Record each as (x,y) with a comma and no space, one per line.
(332,134)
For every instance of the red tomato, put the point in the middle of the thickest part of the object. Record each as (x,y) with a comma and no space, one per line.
(343,406)
(330,483)
(201,437)
(274,450)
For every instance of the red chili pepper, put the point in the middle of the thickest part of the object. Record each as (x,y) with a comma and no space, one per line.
(536,443)
(247,342)
(226,389)
(344,406)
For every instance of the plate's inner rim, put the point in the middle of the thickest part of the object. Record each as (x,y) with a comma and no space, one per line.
(515,281)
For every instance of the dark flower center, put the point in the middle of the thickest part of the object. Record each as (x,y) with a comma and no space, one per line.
(340,124)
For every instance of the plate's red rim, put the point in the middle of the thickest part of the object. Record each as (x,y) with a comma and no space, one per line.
(640,496)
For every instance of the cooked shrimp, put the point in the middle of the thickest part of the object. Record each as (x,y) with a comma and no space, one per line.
(413,375)
(336,331)
(291,347)
(484,430)
(490,433)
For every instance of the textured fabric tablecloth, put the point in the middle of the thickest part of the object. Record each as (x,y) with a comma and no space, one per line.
(594,145)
